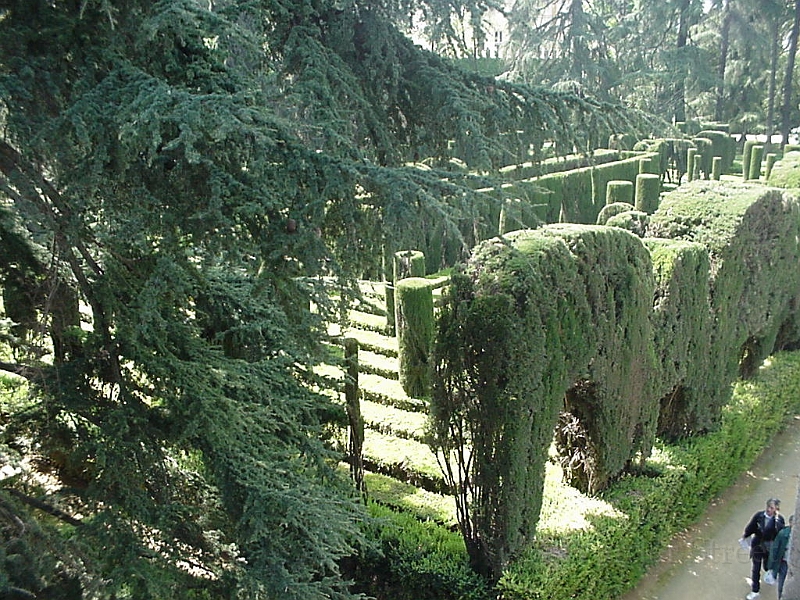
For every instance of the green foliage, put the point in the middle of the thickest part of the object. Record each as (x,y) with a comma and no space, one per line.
(417,560)
(747,151)
(577,196)
(415,331)
(634,221)
(786,172)
(722,145)
(648,190)
(610,210)
(743,227)
(704,156)
(682,335)
(619,191)
(181,181)
(756,158)
(487,408)
(611,410)
(571,304)
(607,558)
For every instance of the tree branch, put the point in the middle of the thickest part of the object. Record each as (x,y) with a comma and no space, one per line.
(43,506)
(28,372)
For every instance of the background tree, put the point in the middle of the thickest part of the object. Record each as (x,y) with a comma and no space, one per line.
(786,111)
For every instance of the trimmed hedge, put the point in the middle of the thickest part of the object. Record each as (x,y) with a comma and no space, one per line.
(722,145)
(785,173)
(577,196)
(607,558)
(540,313)
(750,232)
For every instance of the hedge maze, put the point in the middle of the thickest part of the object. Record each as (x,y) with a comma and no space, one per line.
(580,343)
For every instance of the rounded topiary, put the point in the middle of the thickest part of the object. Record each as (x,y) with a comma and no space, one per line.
(615,208)
(634,221)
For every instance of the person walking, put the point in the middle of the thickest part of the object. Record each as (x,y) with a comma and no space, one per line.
(779,556)
(763,528)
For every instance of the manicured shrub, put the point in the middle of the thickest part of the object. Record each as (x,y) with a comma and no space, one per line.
(615,208)
(786,172)
(756,158)
(606,558)
(746,154)
(681,334)
(771,158)
(619,191)
(722,146)
(716,168)
(745,228)
(415,330)
(634,221)
(648,190)
(704,156)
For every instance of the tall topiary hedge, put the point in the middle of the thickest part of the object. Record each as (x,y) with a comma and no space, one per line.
(611,409)
(682,334)
(564,309)
(508,336)
(751,234)
(415,329)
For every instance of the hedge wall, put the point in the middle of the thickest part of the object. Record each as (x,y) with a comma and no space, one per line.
(751,233)
(628,341)
(681,334)
(577,196)
(539,314)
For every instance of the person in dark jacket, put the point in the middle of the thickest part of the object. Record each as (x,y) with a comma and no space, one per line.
(764,528)
(779,556)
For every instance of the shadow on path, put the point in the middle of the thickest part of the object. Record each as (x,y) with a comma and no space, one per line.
(705,562)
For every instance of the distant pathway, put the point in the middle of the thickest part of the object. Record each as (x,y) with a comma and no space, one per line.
(705,562)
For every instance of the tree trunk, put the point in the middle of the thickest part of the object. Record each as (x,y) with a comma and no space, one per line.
(723,60)
(680,84)
(787,82)
(773,76)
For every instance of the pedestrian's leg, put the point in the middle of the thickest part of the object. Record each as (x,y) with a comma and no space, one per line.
(755,574)
(782,570)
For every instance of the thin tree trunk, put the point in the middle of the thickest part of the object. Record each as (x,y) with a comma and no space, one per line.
(773,77)
(680,85)
(723,60)
(787,83)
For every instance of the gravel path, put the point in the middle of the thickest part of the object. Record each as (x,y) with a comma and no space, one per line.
(705,562)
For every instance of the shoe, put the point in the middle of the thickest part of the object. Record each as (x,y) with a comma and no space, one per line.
(753,595)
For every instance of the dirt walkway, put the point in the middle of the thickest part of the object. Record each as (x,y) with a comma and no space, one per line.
(706,561)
